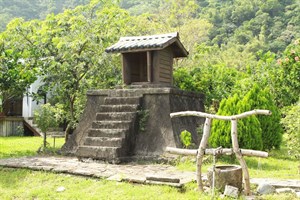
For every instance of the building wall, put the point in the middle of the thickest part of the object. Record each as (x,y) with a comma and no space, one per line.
(9,126)
(29,105)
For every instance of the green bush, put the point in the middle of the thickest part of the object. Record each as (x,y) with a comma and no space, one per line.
(186,138)
(270,125)
(255,132)
(291,124)
(249,131)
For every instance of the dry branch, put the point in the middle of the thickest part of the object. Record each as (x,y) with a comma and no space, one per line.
(223,151)
(239,156)
(201,151)
(211,116)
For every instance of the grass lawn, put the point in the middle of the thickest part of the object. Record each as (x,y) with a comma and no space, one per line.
(278,165)
(27,184)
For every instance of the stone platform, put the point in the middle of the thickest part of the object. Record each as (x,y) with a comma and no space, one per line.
(130,172)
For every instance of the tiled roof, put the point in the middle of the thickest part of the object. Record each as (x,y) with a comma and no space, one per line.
(149,43)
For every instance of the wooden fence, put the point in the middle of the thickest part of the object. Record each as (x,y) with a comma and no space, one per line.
(10,126)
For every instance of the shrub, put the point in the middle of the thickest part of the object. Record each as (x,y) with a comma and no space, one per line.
(249,131)
(186,138)
(270,125)
(291,124)
(255,132)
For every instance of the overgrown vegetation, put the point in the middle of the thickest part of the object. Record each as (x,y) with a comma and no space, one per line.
(143,116)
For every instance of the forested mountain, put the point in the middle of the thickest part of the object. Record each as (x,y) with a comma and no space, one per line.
(243,53)
(265,25)
(33,9)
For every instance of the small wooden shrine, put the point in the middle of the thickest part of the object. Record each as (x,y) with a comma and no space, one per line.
(134,121)
(149,59)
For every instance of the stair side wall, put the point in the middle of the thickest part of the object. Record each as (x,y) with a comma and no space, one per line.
(94,101)
(162,131)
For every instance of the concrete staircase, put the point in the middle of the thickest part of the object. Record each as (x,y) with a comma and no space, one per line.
(53,132)
(28,122)
(111,136)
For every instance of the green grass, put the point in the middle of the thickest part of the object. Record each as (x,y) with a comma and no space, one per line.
(25,146)
(28,184)
(278,165)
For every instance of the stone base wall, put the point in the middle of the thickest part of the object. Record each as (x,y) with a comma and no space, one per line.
(157,130)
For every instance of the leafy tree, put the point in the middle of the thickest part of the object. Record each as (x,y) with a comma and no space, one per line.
(69,49)
(289,74)
(17,73)
(207,73)
(72,45)
(47,117)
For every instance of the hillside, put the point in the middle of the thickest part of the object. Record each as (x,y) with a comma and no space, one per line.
(33,9)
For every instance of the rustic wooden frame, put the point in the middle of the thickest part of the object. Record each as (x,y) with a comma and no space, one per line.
(234,137)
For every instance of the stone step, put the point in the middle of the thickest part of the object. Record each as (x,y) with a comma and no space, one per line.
(120,116)
(122,100)
(103,141)
(95,152)
(111,124)
(121,133)
(126,93)
(119,108)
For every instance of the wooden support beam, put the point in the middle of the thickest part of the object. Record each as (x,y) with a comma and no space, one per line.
(239,156)
(126,71)
(228,118)
(149,67)
(223,151)
(201,151)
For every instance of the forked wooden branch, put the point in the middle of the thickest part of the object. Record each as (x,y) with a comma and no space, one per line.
(223,151)
(234,138)
(228,118)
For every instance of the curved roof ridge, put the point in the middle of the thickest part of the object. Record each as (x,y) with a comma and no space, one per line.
(149,43)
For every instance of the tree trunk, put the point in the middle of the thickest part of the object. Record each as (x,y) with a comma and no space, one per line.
(67,131)
(69,126)
(45,140)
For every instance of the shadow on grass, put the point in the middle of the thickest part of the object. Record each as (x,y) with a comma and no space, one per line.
(16,154)
(10,177)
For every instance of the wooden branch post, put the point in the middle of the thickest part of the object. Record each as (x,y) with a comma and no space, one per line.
(201,151)
(237,151)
